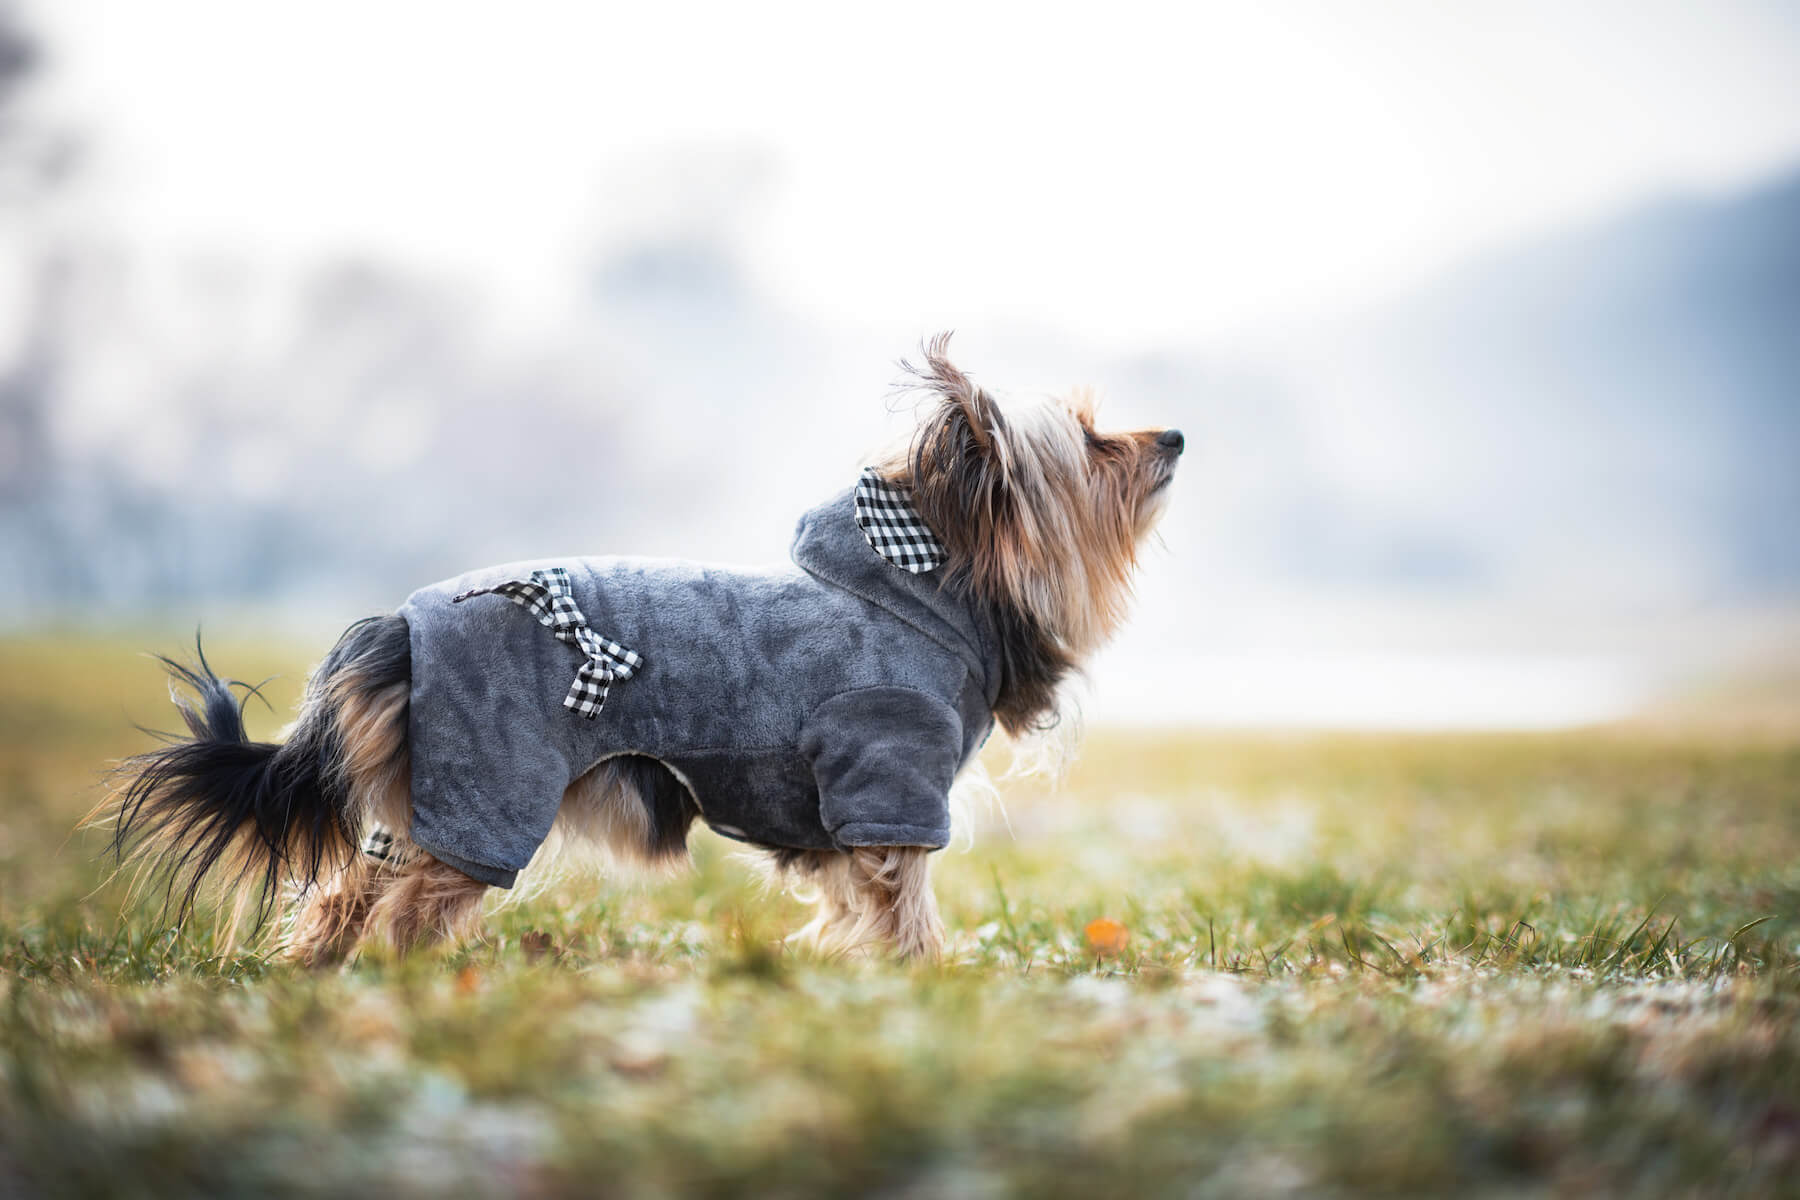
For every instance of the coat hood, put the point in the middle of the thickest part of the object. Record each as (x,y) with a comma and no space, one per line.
(831,547)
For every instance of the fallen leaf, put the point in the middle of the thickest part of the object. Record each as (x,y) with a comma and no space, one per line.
(1106,937)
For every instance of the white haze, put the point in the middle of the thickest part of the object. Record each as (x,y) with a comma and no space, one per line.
(341,260)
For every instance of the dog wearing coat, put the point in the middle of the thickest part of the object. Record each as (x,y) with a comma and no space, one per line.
(819,711)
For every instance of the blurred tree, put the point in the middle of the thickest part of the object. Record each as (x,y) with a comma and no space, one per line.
(34,156)
(17,54)
(25,354)
(36,160)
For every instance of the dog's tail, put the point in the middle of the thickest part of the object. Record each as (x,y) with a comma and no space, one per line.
(262,812)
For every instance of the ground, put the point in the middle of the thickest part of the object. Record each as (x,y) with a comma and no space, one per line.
(1498,965)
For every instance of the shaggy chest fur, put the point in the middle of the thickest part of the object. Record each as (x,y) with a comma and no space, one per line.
(826,704)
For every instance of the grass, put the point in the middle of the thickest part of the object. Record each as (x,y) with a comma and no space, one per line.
(1395,965)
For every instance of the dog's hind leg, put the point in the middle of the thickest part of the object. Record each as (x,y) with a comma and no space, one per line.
(376,766)
(869,895)
(333,912)
(422,902)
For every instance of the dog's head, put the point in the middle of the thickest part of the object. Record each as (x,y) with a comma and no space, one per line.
(1041,513)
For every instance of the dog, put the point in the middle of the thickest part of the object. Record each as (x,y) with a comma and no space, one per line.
(819,711)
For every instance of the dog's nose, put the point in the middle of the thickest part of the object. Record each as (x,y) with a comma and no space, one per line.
(1171,439)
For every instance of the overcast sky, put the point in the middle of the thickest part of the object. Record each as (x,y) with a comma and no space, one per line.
(1140,173)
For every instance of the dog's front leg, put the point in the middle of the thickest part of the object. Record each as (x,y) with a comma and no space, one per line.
(896,885)
(870,896)
(884,758)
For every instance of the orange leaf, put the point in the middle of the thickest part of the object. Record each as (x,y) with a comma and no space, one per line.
(1106,936)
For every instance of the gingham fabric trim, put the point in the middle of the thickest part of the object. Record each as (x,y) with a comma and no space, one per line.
(885,515)
(548,596)
(379,843)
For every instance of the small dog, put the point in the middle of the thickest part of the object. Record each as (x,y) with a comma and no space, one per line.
(819,711)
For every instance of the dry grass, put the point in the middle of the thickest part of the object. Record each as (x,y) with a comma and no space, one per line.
(1353,964)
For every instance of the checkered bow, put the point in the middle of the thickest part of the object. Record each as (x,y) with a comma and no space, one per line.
(885,515)
(548,596)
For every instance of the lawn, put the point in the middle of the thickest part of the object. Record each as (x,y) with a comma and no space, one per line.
(1498,965)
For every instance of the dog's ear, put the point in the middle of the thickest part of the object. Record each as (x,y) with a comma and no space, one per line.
(959,399)
(957,468)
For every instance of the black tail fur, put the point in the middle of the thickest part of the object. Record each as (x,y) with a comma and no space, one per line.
(261,810)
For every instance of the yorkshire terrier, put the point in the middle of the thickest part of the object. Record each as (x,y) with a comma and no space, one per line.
(819,710)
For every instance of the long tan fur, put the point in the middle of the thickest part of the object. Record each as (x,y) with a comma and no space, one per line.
(376,758)
(333,914)
(870,896)
(424,902)
(407,898)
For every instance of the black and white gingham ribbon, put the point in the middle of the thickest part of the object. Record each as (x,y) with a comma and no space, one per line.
(548,596)
(885,515)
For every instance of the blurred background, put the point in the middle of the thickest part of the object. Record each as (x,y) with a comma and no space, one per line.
(1483,321)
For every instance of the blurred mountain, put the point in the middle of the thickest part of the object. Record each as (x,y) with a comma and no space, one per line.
(1605,423)
(1639,380)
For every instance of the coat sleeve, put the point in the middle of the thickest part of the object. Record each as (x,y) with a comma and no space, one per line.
(884,758)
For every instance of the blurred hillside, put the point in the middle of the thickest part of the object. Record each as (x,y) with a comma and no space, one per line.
(1564,470)
(1609,417)
(1633,389)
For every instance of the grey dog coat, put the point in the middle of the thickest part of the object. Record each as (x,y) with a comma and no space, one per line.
(819,705)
